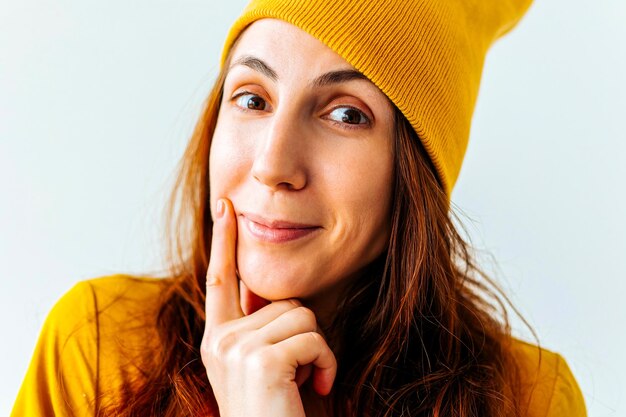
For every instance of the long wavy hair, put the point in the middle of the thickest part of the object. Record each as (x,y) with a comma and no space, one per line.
(423,332)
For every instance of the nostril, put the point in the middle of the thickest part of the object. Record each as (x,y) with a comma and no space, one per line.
(279,175)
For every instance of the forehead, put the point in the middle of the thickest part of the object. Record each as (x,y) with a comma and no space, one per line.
(287,48)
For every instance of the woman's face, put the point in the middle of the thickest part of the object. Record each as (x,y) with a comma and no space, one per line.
(304,150)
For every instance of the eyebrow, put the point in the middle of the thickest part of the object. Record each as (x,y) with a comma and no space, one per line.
(329,78)
(257,65)
(337,77)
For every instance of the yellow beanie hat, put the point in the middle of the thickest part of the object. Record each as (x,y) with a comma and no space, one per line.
(425,55)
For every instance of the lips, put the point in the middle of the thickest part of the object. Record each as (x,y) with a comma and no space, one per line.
(276,231)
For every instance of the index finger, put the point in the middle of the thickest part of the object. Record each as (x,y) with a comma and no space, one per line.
(222,290)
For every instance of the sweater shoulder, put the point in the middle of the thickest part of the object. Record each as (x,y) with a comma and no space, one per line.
(549,388)
(123,300)
(125,310)
(89,346)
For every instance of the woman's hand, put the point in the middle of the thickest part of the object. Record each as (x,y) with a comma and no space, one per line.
(256,363)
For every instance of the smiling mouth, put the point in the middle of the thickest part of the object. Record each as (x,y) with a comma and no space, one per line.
(276,231)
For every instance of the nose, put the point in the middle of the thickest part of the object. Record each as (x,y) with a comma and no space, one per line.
(279,161)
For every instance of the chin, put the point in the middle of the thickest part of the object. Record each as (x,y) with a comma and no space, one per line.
(276,280)
(272,288)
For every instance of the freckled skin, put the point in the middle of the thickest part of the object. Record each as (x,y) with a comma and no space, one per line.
(286,152)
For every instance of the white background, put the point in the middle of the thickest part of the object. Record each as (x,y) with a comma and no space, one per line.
(97,100)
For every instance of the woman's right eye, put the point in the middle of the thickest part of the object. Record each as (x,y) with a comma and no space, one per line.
(250,101)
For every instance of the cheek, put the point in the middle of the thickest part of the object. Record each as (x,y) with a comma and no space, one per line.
(229,161)
(362,189)
(363,184)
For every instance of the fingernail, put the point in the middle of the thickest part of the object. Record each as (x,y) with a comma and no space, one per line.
(221,208)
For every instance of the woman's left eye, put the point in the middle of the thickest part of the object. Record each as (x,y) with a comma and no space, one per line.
(349,116)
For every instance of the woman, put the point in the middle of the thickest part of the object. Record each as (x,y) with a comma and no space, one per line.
(317,269)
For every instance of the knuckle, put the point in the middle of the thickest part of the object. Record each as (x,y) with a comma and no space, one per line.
(315,338)
(240,352)
(284,305)
(226,344)
(205,352)
(218,344)
(212,279)
(307,315)
(295,302)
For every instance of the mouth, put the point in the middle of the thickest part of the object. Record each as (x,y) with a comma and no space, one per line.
(276,231)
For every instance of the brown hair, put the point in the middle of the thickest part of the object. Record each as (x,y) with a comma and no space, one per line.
(423,332)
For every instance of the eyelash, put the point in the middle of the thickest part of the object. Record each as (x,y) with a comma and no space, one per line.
(350,125)
(342,125)
(246,93)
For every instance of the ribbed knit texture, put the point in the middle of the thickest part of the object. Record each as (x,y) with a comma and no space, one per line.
(426,55)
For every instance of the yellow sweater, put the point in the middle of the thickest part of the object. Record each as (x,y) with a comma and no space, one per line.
(81,356)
